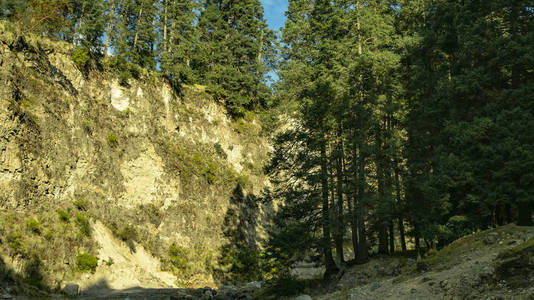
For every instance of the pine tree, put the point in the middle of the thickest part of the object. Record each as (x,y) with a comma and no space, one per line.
(178,39)
(234,53)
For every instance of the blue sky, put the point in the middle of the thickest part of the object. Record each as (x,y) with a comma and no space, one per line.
(274,12)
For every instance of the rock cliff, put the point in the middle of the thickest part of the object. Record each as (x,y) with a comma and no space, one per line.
(162,169)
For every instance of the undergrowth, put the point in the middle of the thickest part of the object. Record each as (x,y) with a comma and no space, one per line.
(45,240)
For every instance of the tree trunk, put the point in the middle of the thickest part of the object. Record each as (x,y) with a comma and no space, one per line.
(391,238)
(514,20)
(402,234)
(400,207)
(359,205)
(108,30)
(508,209)
(137,28)
(361,254)
(524,213)
(165,42)
(417,242)
(340,228)
(260,51)
(330,265)
(382,228)
(354,203)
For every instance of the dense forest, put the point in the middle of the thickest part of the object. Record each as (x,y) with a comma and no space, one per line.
(415,118)
(407,121)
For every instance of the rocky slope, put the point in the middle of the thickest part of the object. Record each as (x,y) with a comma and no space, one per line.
(167,173)
(493,264)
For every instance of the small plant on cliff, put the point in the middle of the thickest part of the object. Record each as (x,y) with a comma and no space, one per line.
(86,262)
(220,151)
(63,215)
(178,256)
(209,172)
(80,57)
(127,233)
(83,225)
(33,226)
(112,139)
(14,241)
(80,204)
(109,262)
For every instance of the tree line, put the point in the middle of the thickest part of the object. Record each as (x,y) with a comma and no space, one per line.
(410,120)
(223,44)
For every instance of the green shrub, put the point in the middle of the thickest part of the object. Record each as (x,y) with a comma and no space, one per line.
(14,241)
(81,204)
(112,139)
(152,212)
(32,271)
(242,180)
(287,286)
(63,215)
(178,256)
(109,262)
(249,116)
(208,262)
(87,127)
(220,151)
(209,172)
(243,263)
(127,233)
(80,57)
(459,226)
(86,262)
(33,226)
(83,224)
(124,76)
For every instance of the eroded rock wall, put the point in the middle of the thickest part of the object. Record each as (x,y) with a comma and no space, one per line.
(138,155)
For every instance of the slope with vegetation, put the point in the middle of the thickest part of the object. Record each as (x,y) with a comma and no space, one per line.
(168,172)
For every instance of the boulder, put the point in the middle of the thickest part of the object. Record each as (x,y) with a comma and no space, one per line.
(71,289)
(304,297)
(375,286)
(491,238)
(528,235)
(253,285)
(6,296)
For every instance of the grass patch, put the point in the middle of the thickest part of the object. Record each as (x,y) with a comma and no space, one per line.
(83,225)
(527,246)
(449,255)
(86,262)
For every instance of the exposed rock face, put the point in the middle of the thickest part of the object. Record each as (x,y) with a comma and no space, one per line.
(138,155)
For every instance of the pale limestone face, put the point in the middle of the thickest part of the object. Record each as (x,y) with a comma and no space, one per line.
(141,179)
(118,98)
